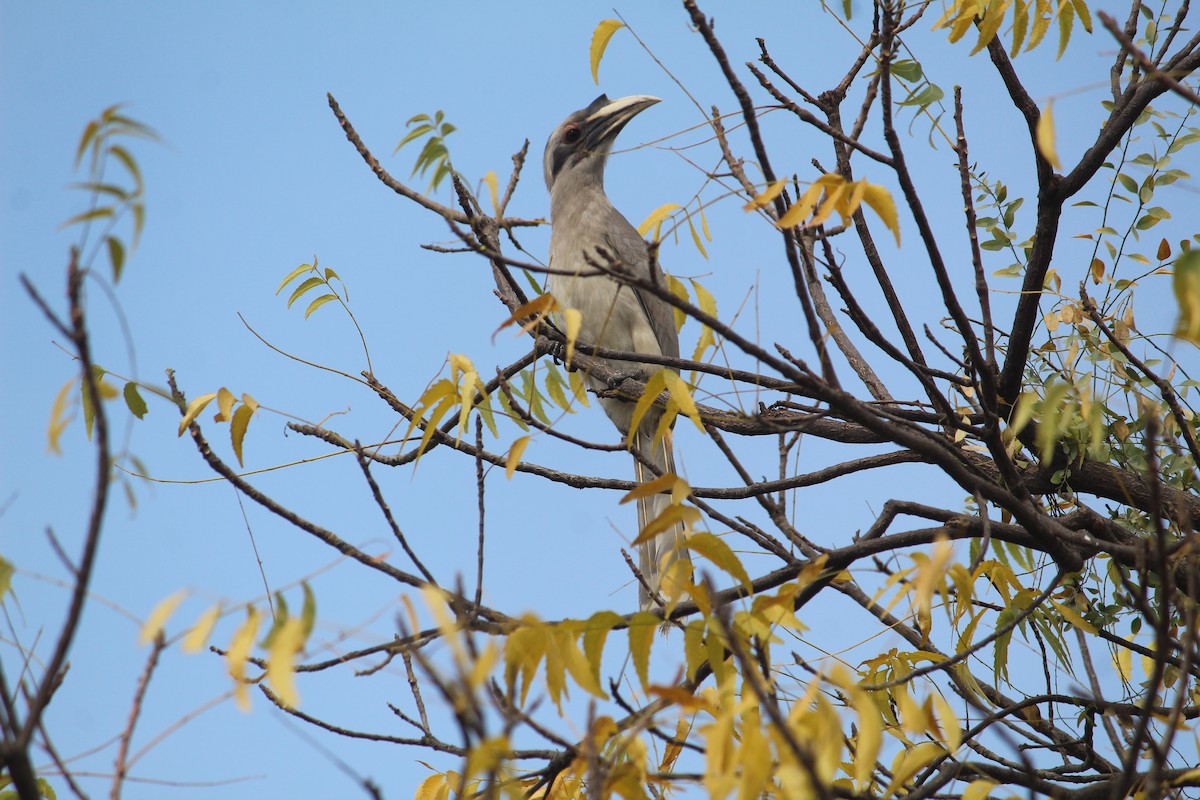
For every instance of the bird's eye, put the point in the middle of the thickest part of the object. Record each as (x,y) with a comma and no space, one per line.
(572,134)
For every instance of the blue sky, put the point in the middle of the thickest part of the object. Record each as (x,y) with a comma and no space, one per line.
(253,178)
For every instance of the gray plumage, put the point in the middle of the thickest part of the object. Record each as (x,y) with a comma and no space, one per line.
(615,316)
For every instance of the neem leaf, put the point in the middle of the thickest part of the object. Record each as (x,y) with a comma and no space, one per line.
(137,406)
(600,38)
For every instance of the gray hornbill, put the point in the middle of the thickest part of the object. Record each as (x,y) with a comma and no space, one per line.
(585,227)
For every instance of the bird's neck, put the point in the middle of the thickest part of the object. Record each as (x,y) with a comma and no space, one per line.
(581,193)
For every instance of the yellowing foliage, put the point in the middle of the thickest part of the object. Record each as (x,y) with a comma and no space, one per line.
(1029,19)
(832,193)
(159,616)
(600,38)
(1045,137)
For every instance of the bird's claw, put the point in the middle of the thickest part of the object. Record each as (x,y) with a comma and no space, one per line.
(619,378)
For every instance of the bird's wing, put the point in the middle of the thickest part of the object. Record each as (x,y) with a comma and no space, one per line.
(629,246)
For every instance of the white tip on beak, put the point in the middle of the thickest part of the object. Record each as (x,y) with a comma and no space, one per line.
(616,107)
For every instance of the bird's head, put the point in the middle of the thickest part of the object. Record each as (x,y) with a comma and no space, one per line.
(580,145)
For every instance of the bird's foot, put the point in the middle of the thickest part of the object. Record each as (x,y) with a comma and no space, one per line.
(619,378)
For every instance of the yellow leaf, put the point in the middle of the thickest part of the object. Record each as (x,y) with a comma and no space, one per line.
(58,417)
(654,221)
(600,37)
(595,633)
(909,761)
(708,304)
(696,238)
(682,397)
(978,789)
(642,627)
(869,741)
(197,637)
(578,388)
(679,290)
(1074,617)
(1045,136)
(802,208)
(225,401)
(466,397)
(1066,20)
(1020,27)
(659,485)
(769,194)
(654,386)
(572,320)
(523,652)
(1186,283)
(291,276)
(193,410)
(881,202)
(578,666)
(281,660)
(834,197)
(989,24)
(158,617)
(238,652)
(493,188)
(514,456)
(1186,778)
(672,750)
(668,519)
(536,308)
(1085,15)
(481,670)
(947,721)
(431,788)
(755,757)
(315,304)
(1123,661)
(237,429)
(720,554)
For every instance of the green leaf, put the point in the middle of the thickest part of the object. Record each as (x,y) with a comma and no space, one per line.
(315,304)
(281,616)
(137,406)
(1000,660)
(138,211)
(6,573)
(89,134)
(116,257)
(926,97)
(415,133)
(121,154)
(291,276)
(308,615)
(554,388)
(101,212)
(302,288)
(907,69)
(89,411)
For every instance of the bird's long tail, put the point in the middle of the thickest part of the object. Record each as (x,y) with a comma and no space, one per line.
(657,555)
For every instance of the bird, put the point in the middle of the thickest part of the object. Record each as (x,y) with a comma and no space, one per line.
(585,227)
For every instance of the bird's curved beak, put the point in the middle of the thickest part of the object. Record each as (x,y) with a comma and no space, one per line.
(603,125)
